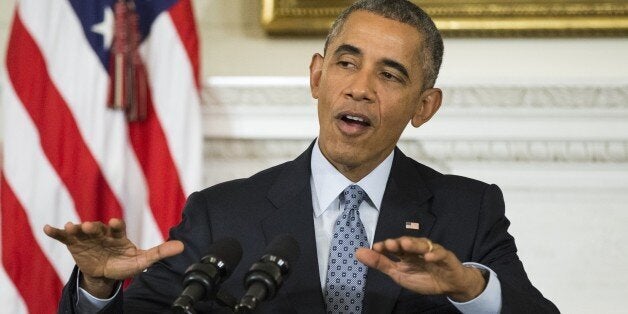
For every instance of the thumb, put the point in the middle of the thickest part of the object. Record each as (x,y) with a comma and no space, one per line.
(164,250)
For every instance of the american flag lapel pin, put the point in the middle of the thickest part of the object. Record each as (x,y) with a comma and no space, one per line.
(412,225)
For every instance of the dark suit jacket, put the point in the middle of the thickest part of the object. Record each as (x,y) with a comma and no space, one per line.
(464,215)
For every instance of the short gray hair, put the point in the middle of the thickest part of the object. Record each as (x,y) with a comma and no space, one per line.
(408,13)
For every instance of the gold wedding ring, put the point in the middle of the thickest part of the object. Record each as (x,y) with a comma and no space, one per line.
(431,246)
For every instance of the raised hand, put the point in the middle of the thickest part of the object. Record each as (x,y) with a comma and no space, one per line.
(424,267)
(104,254)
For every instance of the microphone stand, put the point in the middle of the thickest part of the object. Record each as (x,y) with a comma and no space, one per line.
(223,298)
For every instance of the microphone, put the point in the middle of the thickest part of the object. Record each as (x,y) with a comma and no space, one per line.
(202,280)
(265,277)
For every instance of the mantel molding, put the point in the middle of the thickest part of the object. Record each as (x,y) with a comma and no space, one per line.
(565,152)
(275,117)
(536,97)
(294,91)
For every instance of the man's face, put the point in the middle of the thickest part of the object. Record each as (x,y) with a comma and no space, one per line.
(368,87)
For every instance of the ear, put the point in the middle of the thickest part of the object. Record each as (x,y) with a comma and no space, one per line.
(430,103)
(316,69)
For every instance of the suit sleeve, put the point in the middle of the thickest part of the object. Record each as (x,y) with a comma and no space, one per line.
(495,248)
(69,298)
(155,289)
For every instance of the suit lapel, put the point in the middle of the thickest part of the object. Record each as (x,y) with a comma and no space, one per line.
(405,200)
(292,196)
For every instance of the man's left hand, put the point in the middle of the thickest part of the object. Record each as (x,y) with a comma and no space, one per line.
(424,267)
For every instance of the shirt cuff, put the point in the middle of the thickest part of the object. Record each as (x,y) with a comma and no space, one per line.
(87,303)
(489,301)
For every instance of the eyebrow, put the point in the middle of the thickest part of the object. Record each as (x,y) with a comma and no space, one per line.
(346,48)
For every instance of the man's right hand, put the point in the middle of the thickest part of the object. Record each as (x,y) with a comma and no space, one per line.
(104,254)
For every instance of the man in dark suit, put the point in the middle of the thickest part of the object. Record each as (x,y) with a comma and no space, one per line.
(381,61)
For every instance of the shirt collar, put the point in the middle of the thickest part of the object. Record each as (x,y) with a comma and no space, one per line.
(329,182)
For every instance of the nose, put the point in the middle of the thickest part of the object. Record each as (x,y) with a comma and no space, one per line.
(360,87)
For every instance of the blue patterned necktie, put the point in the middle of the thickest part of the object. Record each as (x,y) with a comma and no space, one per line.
(346,276)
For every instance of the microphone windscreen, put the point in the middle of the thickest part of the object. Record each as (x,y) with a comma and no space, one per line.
(227,250)
(285,247)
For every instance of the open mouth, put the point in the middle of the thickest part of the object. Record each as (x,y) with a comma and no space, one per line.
(355,120)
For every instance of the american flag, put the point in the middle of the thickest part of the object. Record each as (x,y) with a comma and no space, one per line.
(412,225)
(70,155)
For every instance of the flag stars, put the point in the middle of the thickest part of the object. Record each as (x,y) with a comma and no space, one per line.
(105,27)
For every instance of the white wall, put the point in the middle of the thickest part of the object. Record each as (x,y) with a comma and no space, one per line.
(543,118)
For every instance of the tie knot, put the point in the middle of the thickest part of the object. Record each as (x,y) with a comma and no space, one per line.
(353,196)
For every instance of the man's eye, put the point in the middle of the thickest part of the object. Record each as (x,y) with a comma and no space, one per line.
(389,76)
(345,64)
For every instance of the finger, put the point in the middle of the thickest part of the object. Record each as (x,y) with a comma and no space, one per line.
(430,252)
(57,234)
(375,260)
(166,249)
(405,245)
(94,228)
(441,256)
(387,246)
(117,228)
(419,246)
(72,229)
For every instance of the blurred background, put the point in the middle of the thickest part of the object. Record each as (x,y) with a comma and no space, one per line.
(546,119)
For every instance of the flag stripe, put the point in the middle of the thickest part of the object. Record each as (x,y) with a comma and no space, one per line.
(105,130)
(166,195)
(35,183)
(18,261)
(176,101)
(186,28)
(70,158)
(61,141)
(9,296)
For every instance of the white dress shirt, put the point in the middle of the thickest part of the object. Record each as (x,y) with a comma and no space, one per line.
(327,183)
